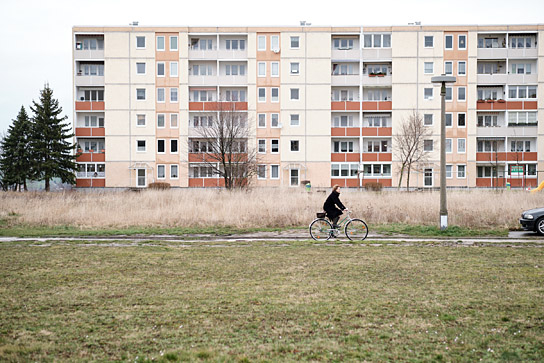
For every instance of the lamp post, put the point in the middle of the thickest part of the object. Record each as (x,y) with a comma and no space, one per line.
(443,79)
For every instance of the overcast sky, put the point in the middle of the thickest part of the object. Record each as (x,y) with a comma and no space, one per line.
(36,34)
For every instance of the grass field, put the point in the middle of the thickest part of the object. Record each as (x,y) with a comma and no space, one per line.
(270,302)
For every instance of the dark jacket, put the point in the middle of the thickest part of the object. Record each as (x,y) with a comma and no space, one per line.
(332,201)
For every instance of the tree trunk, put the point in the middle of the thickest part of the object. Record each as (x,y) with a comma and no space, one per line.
(46,184)
(408,178)
(401,174)
(24,184)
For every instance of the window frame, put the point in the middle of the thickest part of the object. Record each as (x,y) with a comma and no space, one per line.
(459,68)
(138,120)
(459,99)
(459,36)
(177,171)
(163,170)
(163,69)
(425,41)
(164,120)
(174,65)
(259,120)
(294,143)
(297,71)
(446,36)
(163,43)
(259,38)
(259,99)
(424,93)
(272,171)
(428,141)
(464,151)
(259,64)
(144,146)
(259,146)
(425,67)
(170,38)
(464,171)
(297,40)
(465,117)
(144,94)
(272,146)
(145,68)
(291,90)
(141,37)
(172,126)
(297,124)
(163,145)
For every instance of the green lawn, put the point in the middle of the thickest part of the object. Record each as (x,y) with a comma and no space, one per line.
(278,302)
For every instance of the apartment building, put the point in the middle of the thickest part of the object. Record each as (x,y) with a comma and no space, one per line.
(324,103)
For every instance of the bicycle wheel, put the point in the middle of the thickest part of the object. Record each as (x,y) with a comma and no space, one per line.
(320,229)
(356,229)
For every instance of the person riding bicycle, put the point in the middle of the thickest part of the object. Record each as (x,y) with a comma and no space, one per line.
(333,206)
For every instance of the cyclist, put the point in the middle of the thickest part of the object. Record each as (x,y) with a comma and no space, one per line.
(333,206)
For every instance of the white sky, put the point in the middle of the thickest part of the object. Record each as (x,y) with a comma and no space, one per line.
(36,34)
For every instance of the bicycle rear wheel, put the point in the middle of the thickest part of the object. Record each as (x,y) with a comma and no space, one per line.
(320,229)
(356,230)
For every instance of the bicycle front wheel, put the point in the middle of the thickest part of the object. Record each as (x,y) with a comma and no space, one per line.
(320,229)
(356,230)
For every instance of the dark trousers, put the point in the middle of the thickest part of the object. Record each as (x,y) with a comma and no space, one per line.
(335,220)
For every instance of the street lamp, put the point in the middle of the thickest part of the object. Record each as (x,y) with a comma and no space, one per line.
(443,79)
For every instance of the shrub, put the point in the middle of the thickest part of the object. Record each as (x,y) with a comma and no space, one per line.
(159,186)
(374,186)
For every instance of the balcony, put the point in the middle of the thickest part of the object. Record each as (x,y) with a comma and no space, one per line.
(345,54)
(90,106)
(209,81)
(383,157)
(196,54)
(520,53)
(82,80)
(91,156)
(506,156)
(345,131)
(345,80)
(383,80)
(377,131)
(377,54)
(353,105)
(346,157)
(377,105)
(503,131)
(522,78)
(232,54)
(494,78)
(217,106)
(492,53)
(90,131)
(502,105)
(232,80)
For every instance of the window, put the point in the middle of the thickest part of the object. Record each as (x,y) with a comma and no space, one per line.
(140,68)
(140,94)
(449,93)
(275,43)
(428,93)
(295,68)
(140,145)
(173,69)
(262,120)
(429,41)
(160,95)
(173,95)
(202,96)
(275,120)
(294,94)
(161,148)
(262,146)
(160,120)
(274,171)
(520,146)
(342,43)
(342,146)
(295,42)
(522,41)
(160,43)
(462,68)
(522,118)
(448,171)
(342,95)
(275,69)
(448,146)
(275,94)
(93,95)
(377,40)
(202,44)
(522,92)
(461,171)
(295,145)
(449,117)
(461,120)
(521,68)
(173,146)
(261,42)
(461,94)
(428,119)
(488,146)
(235,44)
(174,120)
(376,170)
(427,145)
(448,67)
(140,120)
(429,68)
(449,41)
(94,121)
(173,43)
(462,42)
(275,146)
(262,94)
(461,146)
(161,172)
(160,69)
(202,70)
(295,120)
(235,69)
(261,171)
(487,121)
(174,173)
(140,42)
(261,69)
(293,177)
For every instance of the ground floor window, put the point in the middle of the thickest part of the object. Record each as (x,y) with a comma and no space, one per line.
(428,178)
(141,177)
(91,170)
(377,170)
(294,177)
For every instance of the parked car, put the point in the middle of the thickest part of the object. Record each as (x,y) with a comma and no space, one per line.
(533,220)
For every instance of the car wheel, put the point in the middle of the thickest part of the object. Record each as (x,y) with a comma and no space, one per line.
(539,226)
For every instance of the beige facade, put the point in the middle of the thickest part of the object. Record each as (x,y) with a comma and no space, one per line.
(324,103)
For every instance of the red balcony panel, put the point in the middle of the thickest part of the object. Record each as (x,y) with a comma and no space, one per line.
(385,157)
(86,157)
(370,106)
(98,157)
(240,106)
(83,131)
(196,182)
(338,131)
(98,131)
(352,183)
(385,105)
(196,106)
(341,182)
(483,106)
(370,131)
(352,106)
(530,105)
(490,156)
(83,106)
(338,106)
(530,156)
(352,157)
(385,131)
(483,182)
(83,183)
(370,156)
(499,106)
(210,106)
(383,182)
(211,182)
(515,105)
(98,106)
(352,131)
(98,183)
(338,157)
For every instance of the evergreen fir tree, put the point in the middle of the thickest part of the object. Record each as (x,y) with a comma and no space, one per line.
(15,162)
(52,150)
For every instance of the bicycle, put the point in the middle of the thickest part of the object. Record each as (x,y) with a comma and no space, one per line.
(354,228)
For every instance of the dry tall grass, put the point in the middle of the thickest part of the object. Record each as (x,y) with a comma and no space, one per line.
(259,208)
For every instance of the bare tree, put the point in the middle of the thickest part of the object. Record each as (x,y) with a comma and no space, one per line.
(409,145)
(220,143)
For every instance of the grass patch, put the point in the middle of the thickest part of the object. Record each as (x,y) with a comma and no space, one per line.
(283,303)
(434,231)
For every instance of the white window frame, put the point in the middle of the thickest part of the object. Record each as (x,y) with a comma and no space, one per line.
(272,146)
(163,42)
(163,68)
(174,90)
(459,99)
(297,120)
(295,71)
(464,150)
(170,38)
(432,119)
(446,41)
(140,36)
(291,177)
(177,146)
(172,126)
(275,39)
(177,173)
(163,95)
(464,171)
(259,64)
(459,68)
(174,66)
(145,94)
(259,120)
(461,113)
(425,67)
(138,120)
(145,68)
(459,41)
(425,96)
(144,146)
(445,66)
(291,94)
(259,39)
(451,120)
(272,171)
(259,99)
(277,116)
(291,42)
(272,98)
(259,168)
(164,143)
(163,170)
(274,72)
(259,143)
(451,93)
(432,39)
(449,173)
(291,146)
(431,143)
(449,145)
(164,120)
